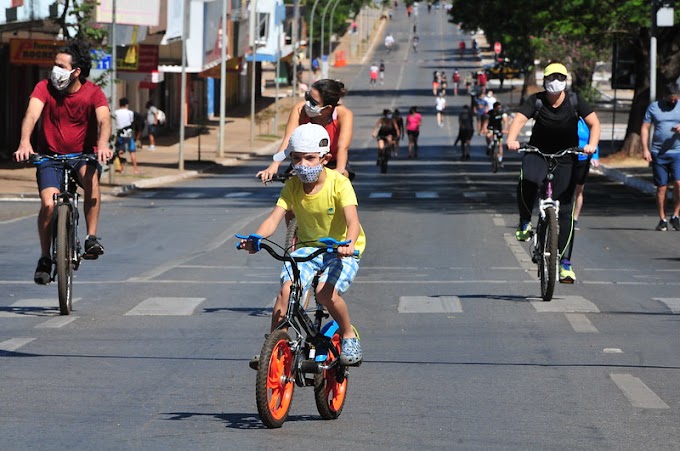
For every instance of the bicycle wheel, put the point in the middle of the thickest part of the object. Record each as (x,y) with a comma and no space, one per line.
(64,259)
(548,262)
(330,387)
(384,159)
(291,235)
(494,158)
(274,386)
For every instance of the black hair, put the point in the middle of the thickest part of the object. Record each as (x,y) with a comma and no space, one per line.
(81,57)
(497,104)
(396,112)
(331,91)
(413,110)
(123,101)
(672,89)
(386,112)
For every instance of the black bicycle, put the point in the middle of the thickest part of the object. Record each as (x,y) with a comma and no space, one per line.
(494,148)
(65,252)
(300,351)
(544,251)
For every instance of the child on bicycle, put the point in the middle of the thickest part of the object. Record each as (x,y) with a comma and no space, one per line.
(325,205)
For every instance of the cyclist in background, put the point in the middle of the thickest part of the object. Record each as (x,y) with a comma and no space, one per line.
(416,41)
(496,122)
(389,42)
(386,131)
(555,129)
(413,121)
(75,118)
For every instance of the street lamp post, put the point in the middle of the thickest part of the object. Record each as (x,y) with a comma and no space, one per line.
(330,27)
(253,12)
(310,54)
(223,76)
(323,24)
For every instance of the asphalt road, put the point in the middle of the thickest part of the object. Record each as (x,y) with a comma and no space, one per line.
(458,351)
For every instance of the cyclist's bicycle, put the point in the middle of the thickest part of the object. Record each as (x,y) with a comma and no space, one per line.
(494,148)
(544,251)
(386,154)
(300,351)
(65,252)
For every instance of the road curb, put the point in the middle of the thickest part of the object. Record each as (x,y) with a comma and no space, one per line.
(628,179)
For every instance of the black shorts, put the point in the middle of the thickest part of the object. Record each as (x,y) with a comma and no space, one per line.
(414,133)
(580,171)
(465,134)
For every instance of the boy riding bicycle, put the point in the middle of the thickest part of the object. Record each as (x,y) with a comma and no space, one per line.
(325,205)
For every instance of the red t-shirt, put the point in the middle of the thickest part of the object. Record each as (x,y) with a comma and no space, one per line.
(333,129)
(69,122)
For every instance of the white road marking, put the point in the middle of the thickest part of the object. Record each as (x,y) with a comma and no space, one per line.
(188,195)
(474,194)
(166,307)
(637,392)
(518,249)
(30,308)
(672,303)
(380,196)
(14,343)
(9,221)
(580,323)
(429,304)
(427,195)
(57,322)
(238,194)
(498,220)
(612,351)
(566,304)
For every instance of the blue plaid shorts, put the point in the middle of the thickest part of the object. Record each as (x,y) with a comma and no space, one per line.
(339,272)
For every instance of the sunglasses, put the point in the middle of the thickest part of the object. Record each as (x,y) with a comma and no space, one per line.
(310,99)
(553,77)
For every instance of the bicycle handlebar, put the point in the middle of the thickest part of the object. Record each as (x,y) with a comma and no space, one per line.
(37,158)
(527,148)
(330,243)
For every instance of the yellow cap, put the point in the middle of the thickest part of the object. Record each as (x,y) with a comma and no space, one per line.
(555,68)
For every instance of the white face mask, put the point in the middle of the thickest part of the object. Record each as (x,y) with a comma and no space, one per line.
(61,78)
(313,111)
(555,86)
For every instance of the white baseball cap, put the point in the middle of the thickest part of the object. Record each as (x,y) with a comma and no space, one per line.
(307,138)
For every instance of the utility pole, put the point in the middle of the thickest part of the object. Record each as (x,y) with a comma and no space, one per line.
(223,81)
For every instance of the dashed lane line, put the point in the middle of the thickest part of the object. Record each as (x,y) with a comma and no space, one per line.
(13,344)
(429,304)
(580,323)
(566,304)
(672,303)
(31,308)
(637,392)
(166,307)
(56,323)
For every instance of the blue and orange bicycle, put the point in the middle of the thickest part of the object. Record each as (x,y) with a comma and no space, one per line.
(300,350)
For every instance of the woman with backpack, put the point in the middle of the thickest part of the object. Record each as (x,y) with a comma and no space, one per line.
(151,123)
(556,113)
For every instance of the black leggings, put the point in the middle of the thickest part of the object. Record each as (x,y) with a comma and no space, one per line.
(534,171)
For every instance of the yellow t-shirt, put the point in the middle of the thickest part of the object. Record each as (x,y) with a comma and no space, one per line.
(321,215)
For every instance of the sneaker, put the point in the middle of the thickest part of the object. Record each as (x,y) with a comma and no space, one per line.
(523,231)
(675,222)
(576,227)
(151,148)
(254,363)
(351,354)
(92,248)
(567,274)
(43,273)
(662,226)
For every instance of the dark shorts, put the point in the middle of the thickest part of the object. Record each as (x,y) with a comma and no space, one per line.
(465,134)
(666,167)
(152,129)
(414,133)
(50,174)
(128,144)
(580,171)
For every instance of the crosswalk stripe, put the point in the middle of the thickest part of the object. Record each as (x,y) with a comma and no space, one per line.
(672,303)
(581,323)
(27,308)
(566,304)
(427,195)
(237,195)
(14,343)
(55,323)
(474,194)
(166,307)
(380,196)
(188,195)
(429,304)
(637,392)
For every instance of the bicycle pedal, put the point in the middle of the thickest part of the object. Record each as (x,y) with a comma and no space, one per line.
(90,256)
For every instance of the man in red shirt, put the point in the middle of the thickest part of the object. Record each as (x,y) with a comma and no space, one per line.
(75,119)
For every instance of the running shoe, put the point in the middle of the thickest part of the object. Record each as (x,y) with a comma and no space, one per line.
(523,231)
(254,363)
(93,249)
(43,273)
(675,222)
(351,354)
(567,274)
(662,226)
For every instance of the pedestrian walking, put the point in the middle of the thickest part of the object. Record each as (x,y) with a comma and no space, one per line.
(664,152)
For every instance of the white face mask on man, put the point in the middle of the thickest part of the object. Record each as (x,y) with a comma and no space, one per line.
(555,86)
(61,78)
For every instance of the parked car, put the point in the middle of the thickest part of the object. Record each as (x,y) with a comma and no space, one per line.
(505,69)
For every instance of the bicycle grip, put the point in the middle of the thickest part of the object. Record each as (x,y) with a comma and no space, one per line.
(255,238)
